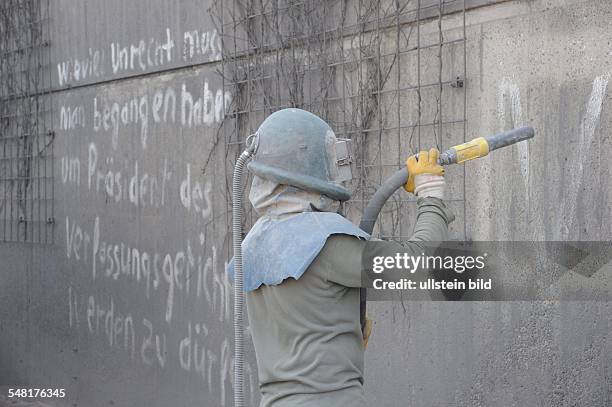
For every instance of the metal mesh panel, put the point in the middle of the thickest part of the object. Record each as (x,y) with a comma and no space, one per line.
(388,74)
(26,141)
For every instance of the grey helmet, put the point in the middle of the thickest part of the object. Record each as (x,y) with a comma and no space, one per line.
(295,147)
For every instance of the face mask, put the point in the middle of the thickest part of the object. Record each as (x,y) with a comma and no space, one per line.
(270,198)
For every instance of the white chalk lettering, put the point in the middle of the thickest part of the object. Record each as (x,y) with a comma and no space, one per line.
(201,43)
(141,55)
(194,196)
(72,117)
(159,106)
(78,69)
(129,184)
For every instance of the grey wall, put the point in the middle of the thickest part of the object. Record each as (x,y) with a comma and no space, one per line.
(131,305)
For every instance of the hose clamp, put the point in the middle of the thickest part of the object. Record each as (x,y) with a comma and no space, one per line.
(252,142)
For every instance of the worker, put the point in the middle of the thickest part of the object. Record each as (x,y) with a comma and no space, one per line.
(302,262)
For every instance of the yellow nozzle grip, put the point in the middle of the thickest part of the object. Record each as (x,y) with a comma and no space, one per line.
(472,149)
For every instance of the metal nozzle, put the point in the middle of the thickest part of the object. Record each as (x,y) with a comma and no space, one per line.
(448,157)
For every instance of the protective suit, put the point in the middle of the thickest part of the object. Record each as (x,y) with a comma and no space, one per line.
(302,273)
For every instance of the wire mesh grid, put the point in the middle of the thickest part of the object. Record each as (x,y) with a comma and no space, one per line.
(388,74)
(26,139)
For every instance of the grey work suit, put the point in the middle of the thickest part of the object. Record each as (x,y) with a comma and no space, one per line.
(306,332)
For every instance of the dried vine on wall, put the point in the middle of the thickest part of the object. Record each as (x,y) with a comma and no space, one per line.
(373,70)
(26,142)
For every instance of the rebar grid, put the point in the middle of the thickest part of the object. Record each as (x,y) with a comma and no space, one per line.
(26,139)
(388,74)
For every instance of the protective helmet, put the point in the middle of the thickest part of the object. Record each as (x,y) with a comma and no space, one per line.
(295,147)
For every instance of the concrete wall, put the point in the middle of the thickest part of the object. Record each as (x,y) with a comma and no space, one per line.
(131,305)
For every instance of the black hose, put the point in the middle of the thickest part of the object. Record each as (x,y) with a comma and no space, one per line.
(392,184)
(368,220)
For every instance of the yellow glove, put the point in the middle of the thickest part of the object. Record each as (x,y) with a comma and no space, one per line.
(367,331)
(427,163)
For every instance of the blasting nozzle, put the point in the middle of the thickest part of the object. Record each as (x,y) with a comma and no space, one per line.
(481,146)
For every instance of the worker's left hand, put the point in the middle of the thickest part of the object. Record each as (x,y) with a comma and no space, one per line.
(425,175)
(367,331)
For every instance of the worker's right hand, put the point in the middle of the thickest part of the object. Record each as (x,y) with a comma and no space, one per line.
(425,175)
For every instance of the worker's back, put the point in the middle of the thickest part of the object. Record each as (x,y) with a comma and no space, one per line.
(306,332)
